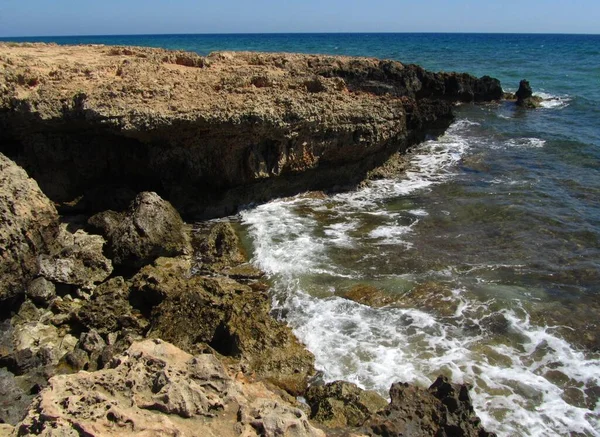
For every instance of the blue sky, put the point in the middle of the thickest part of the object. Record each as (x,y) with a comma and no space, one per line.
(92,17)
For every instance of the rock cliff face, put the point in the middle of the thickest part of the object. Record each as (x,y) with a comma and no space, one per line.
(28,226)
(95,125)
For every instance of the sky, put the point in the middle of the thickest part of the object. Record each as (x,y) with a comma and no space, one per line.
(107,17)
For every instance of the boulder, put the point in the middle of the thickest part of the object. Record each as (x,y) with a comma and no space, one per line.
(149,229)
(343,404)
(195,395)
(444,409)
(77,260)
(29,227)
(33,344)
(41,291)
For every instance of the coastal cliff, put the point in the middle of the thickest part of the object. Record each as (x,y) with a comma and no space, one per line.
(118,318)
(94,125)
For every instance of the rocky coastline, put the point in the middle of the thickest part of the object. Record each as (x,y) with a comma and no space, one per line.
(119,318)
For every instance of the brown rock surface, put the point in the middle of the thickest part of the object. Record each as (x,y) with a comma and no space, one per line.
(229,316)
(158,389)
(28,226)
(210,134)
(444,409)
(77,259)
(342,404)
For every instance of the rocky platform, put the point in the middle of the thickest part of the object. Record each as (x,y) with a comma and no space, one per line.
(95,125)
(118,318)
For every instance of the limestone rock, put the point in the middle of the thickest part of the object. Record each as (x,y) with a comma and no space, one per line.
(343,404)
(108,310)
(29,224)
(149,229)
(32,344)
(78,260)
(217,246)
(14,402)
(244,128)
(231,317)
(195,395)
(41,291)
(444,409)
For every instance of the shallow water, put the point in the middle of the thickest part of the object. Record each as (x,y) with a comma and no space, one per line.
(493,261)
(487,248)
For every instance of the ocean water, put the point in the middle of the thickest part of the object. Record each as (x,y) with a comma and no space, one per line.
(487,248)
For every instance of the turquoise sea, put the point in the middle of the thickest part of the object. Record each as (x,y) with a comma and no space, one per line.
(489,244)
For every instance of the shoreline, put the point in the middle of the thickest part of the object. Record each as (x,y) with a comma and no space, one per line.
(99,128)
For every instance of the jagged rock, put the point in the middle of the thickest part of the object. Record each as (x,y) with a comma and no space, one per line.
(109,309)
(41,291)
(195,395)
(230,317)
(149,229)
(29,226)
(217,246)
(30,345)
(343,404)
(244,128)
(444,409)
(78,260)
(525,97)
(14,402)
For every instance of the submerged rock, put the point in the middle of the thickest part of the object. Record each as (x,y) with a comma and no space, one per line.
(195,395)
(29,227)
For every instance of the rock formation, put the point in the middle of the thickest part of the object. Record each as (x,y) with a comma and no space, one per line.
(525,97)
(155,388)
(88,302)
(29,227)
(96,125)
(151,228)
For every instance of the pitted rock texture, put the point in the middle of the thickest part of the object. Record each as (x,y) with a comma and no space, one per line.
(342,404)
(230,317)
(94,124)
(28,227)
(76,260)
(157,389)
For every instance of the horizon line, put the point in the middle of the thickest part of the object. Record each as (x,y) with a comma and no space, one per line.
(298,33)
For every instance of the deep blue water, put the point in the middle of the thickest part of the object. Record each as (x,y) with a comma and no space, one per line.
(499,219)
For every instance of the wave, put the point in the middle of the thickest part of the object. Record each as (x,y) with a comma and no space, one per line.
(551,101)
(526,380)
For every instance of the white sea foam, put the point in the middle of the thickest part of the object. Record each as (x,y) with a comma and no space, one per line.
(551,101)
(512,391)
(526,142)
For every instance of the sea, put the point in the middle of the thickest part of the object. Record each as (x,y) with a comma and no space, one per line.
(486,250)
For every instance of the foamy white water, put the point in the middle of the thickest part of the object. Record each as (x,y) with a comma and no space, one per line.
(526,380)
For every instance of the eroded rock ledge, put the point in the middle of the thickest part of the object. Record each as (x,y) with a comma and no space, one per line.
(89,302)
(95,125)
